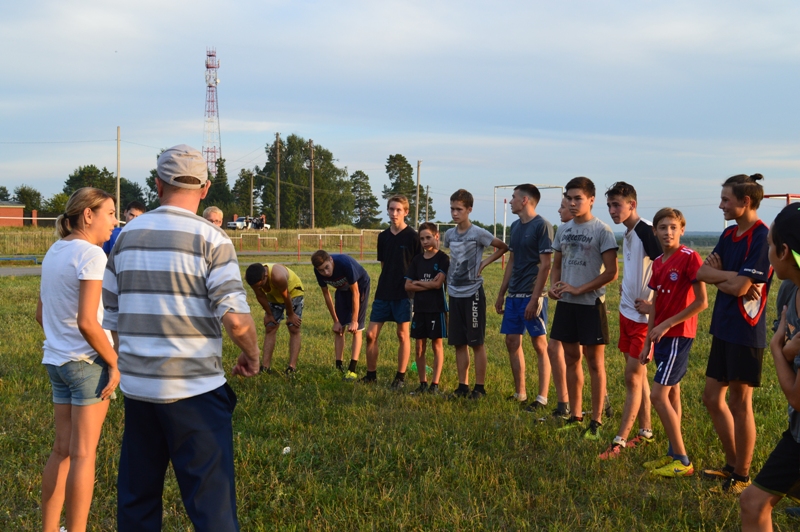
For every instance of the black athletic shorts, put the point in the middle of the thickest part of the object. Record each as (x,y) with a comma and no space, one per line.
(781,473)
(467,320)
(729,362)
(429,325)
(583,324)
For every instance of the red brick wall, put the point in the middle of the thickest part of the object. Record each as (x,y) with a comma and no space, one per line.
(11,211)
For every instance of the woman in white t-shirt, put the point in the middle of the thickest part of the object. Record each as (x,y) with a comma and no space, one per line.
(78,354)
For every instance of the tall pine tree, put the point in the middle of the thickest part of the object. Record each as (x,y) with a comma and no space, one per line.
(241,192)
(366,211)
(220,191)
(402,181)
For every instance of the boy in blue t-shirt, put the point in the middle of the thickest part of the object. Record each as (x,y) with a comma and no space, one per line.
(524,280)
(349,311)
(132,210)
(740,269)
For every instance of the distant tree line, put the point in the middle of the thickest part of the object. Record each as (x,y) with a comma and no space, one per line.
(339,198)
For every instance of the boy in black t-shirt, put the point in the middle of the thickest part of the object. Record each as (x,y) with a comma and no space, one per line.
(426,277)
(396,247)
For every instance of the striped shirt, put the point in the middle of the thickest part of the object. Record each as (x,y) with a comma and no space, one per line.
(169,280)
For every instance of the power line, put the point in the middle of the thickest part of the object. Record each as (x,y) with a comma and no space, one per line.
(55,141)
(246,155)
(306,187)
(140,144)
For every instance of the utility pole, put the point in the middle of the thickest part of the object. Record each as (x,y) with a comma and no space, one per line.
(212,146)
(416,201)
(278,181)
(119,210)
(311,148)
(251,194)
(427,200)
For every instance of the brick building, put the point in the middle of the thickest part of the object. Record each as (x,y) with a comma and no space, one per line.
(11,209)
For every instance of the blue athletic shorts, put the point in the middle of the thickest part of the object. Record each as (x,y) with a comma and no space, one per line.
(514,321)
(78,383)
(672,358)
(398,311)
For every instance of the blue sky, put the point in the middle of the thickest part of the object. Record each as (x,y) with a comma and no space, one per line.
(673,98)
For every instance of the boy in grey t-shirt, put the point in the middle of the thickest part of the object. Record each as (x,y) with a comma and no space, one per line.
(584,262)
(467,325)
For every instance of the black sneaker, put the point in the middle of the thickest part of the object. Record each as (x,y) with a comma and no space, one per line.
(477,394)
(593,432)
(535,407)
(290,372)
(433,389)
(368,380)
(556,415)
(398,384)
(571,424)
(423,387)
(721,475)
(265,369)
(459,393)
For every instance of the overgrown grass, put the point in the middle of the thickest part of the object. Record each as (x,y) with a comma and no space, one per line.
(365,458)
(37,240)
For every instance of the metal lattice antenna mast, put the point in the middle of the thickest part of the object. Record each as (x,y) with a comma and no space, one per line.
(212,147)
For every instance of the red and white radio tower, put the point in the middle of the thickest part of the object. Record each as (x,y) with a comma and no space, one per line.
(212,147)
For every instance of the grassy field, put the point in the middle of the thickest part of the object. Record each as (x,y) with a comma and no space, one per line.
(365,458)
(37,240)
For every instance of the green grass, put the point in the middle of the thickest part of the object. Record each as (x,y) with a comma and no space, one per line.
(364,458)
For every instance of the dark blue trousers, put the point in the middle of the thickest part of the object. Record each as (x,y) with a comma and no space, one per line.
(196,434)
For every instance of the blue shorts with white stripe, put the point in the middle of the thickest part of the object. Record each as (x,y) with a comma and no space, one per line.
(672,359)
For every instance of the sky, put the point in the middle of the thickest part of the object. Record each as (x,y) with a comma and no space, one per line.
(670,97)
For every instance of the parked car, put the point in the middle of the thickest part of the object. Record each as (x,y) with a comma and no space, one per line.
(240,223)
(245,222)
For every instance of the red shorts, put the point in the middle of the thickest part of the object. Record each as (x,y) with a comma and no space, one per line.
(631,336)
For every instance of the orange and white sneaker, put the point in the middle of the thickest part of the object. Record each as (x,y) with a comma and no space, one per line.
(612,452)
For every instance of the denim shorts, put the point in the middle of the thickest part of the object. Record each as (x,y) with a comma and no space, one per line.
(278,310)
(78,383)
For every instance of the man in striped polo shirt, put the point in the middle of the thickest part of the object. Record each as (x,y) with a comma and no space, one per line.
(171,282)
